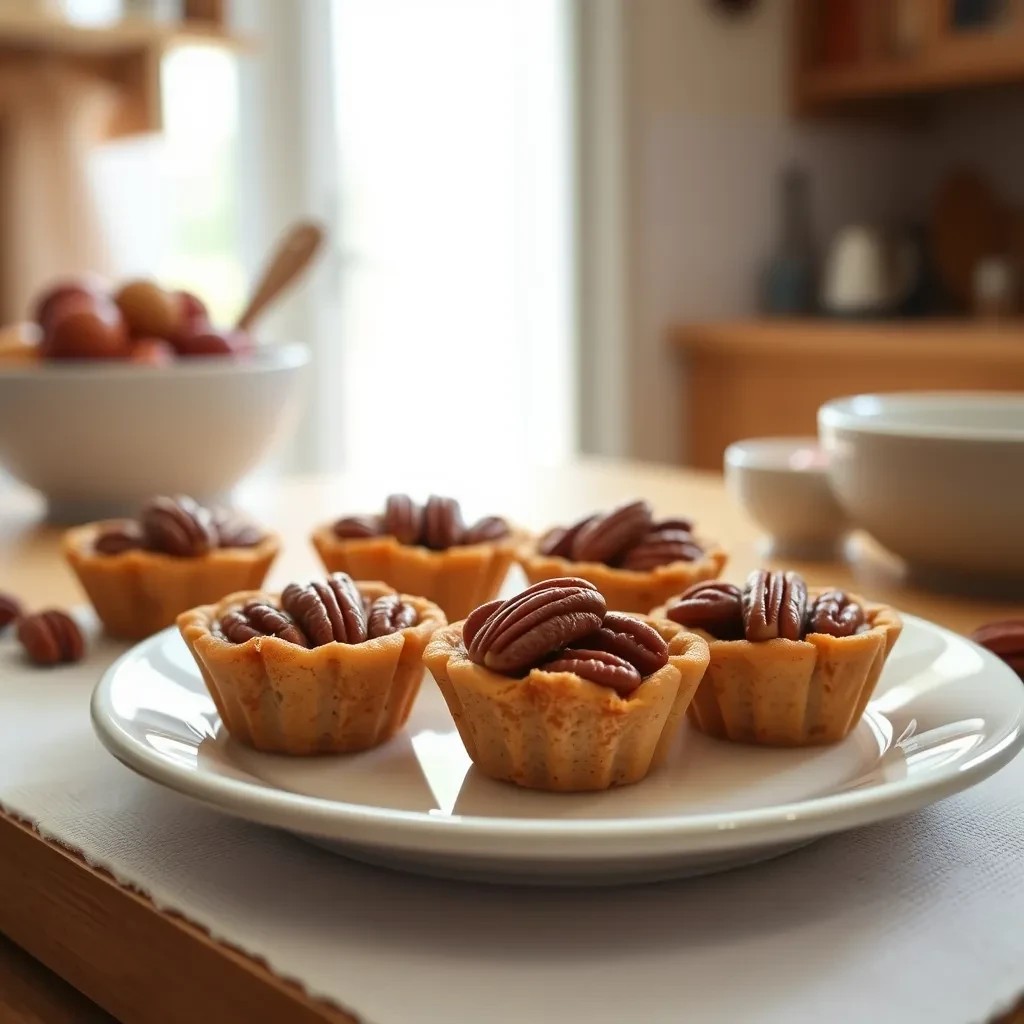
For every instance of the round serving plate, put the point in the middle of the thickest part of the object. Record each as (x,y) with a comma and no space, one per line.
(946,714)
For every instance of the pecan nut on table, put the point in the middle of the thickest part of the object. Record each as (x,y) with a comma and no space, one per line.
(1004,639)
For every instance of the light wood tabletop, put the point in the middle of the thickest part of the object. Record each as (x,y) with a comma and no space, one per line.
(31,568)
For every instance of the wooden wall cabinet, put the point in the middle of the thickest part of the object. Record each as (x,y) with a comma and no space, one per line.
(850,53)
(126,53)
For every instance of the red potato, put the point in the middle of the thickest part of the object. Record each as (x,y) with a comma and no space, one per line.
(81,287)
(84,327)
(193,316)
(149,310)
(241,341)
(152,352)
(214,343)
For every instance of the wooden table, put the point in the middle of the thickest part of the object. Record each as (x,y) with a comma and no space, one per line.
(89,931)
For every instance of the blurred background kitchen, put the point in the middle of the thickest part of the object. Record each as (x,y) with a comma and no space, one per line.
(625,227)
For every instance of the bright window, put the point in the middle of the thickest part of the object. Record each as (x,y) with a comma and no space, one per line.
(454,150)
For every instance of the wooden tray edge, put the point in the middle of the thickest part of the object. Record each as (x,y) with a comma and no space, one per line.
(141,964)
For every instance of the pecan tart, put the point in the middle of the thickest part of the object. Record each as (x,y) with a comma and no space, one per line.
(141,573)
(426,550)
(550,690)
(328,667)
(635,560)
(789,667)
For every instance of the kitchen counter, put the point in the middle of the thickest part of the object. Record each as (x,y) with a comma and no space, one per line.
(751,378)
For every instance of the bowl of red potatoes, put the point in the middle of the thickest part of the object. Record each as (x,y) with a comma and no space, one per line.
(139,320)
(112,393)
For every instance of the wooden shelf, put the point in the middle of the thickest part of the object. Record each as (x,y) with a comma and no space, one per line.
(126,53)
(944,60)
(34,33)
(966,63)
(965,341)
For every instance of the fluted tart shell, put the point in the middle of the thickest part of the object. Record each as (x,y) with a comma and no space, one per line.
(337,698)
(793,693)
(458,579)
(137,593)
(559,732)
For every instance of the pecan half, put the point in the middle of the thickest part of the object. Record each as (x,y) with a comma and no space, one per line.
(476,618)
(607,536)
(487,529)
(558,541)
(835,613)
(774,606)
(661,546)
(10,609)
(328,611)
(403,519)
(630,639)
(178,526)
(522,631)
(442,523)
(599,667)
(51,637)
(1005,639)
(119,537)
(235,530)
(680,523)
(357,527)
(712,605)
(390,614)
(260,619)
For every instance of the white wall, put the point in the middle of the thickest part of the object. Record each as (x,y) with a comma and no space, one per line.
(706,99)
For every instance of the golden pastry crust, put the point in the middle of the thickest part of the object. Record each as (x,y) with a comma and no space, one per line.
(458,579)
(558,732)
(137,593)
(337,698)
(793,693)
(625,590)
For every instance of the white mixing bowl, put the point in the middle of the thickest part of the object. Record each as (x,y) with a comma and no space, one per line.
(99,438)
(938,478)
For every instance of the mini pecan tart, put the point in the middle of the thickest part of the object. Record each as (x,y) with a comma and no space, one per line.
(790,667)
(327,667)
(426,550)
(635,560)
(141,573)
(551,691)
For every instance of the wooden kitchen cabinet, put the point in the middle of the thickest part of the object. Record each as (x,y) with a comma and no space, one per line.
(852,53)
(126,53)
(761,378)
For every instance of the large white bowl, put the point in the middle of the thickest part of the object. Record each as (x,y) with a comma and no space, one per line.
(98,438)
(938,478)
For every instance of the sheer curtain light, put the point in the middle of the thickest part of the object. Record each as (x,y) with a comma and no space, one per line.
(454,136)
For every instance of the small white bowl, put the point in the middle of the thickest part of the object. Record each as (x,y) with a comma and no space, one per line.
(97,439)
(782,483)
(938,478)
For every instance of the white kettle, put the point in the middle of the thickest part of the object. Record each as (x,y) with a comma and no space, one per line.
(869,271)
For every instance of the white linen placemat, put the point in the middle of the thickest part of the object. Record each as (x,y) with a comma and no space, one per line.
(918,920)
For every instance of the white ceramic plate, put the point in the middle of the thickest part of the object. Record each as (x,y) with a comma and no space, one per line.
(946,715)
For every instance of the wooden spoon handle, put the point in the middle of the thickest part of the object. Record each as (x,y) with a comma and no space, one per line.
(294,252)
